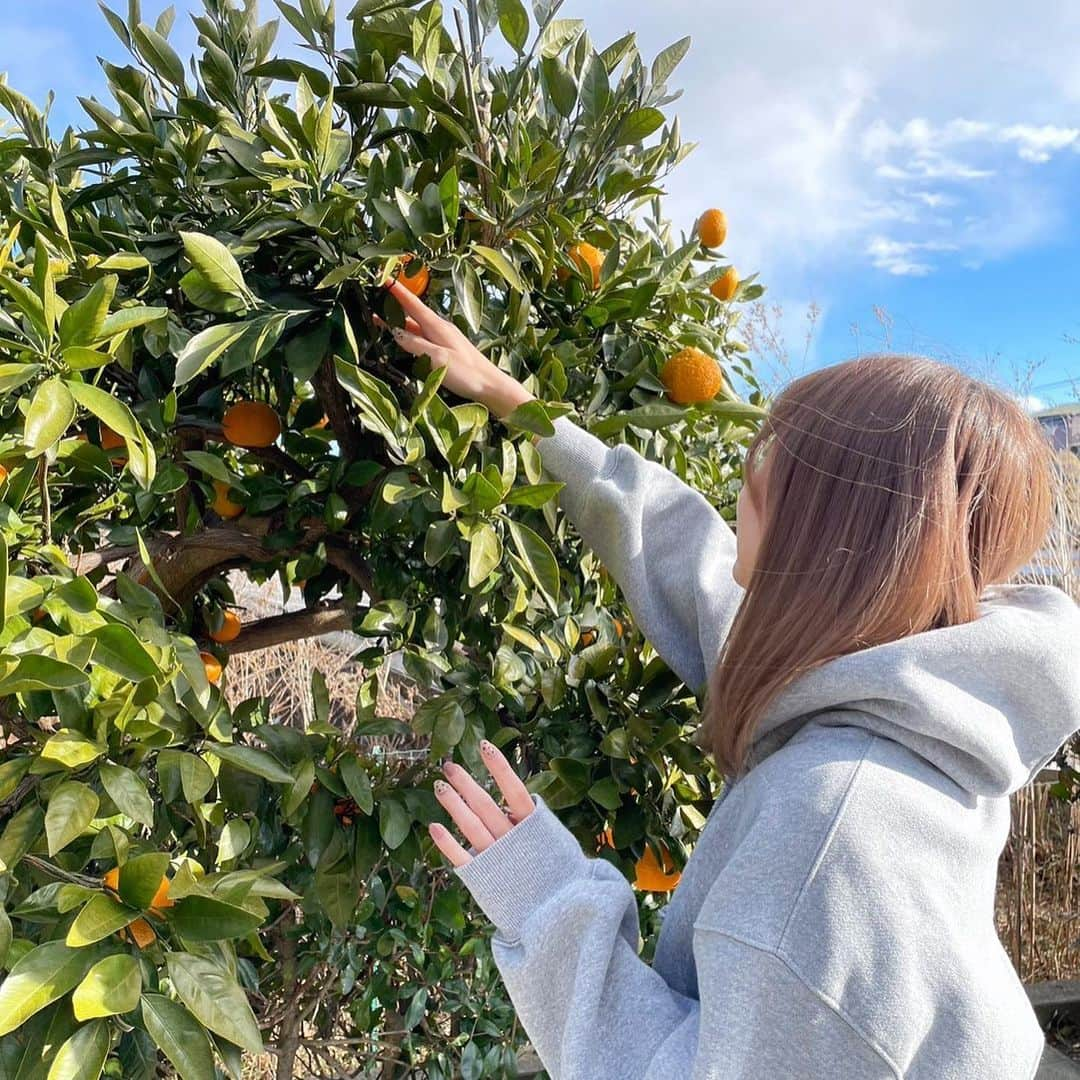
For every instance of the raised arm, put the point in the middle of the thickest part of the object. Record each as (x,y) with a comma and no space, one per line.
(665,545)
(669,550)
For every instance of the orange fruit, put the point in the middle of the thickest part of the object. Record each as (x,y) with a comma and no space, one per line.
(586,258)
(322,423)
(712,228)
(588,637)
(251,423)
(230,628)
(212,667)
(417,280)
(651,877)
(725,286)
(222,504)
(111,880)
(109,439)
(161,899)
(618,627)
(3,474)
(691,376)
(140,931)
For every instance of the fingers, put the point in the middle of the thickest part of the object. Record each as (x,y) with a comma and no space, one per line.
(446,843)
(410,323)
(476,832)
(518,798)
(481,803)
(419,346)
(431,323)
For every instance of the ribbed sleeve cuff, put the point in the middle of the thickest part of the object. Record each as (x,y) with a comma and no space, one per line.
(523,868)
(573,454)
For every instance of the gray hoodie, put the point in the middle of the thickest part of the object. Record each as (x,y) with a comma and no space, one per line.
(836,917)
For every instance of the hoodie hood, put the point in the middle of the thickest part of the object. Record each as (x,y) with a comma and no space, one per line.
(988,702)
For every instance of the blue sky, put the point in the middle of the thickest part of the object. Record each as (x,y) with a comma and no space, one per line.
(914,157)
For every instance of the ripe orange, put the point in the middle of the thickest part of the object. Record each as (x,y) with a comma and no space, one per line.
(109,438)
(691,376)
(251,423)
(712,228)
(140,931)
(3,474)
(725,286)
(222,504)
(587,258)
(322,423)
(230,628)
(417,280)
(618,627)
(161,899)
(588,637)
(212,667)
(651,877)
(111,880)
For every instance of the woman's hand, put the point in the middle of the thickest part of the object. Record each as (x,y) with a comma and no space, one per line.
(469,374)
(474,811)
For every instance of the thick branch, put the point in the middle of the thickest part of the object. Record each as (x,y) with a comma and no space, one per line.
(292,626)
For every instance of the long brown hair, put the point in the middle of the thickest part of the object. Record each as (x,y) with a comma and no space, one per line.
(897,488)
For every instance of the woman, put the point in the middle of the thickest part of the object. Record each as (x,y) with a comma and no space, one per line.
(874,692)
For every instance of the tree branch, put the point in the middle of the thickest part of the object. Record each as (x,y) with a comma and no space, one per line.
(292,626)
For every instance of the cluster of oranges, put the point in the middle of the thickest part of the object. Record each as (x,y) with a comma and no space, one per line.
(690,376)
(140,931)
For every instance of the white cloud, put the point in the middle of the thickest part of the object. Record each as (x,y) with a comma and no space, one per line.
(848,136)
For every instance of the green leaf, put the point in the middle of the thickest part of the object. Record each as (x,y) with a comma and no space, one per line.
(485,553)
(469,293)
(72,806)
(130,318)
(112,986)
(234,839)
(122,420)
(531,416)
(41,673)
(41,977)
(140,878)
(215,999)
(204,348)
(159,54)
(638,125)
(514,23)
(20,834)
(128,791)
(117,648)
(82,1057)
(71,748)
(195,777)
(357,782)
(558,34)
(5,935)
(179,1036)
(290,71)
(51,412)
(12,376)
(561,86)
(82,322)
(539,560)
(668,60)
(205,918)
(100,917)
(80,358)
(394,822)
(215,262)
(595,89)
(28,302)
(501,265)
(251,760)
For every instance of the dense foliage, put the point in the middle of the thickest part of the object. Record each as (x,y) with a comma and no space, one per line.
(185,881)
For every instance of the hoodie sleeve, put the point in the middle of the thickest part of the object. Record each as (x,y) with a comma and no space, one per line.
(665,545)
(566,945)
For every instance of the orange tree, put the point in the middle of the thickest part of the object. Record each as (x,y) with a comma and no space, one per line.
(193,382)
